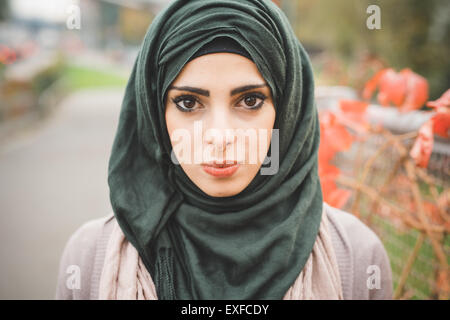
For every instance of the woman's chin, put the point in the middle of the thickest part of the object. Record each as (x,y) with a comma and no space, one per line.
(222,187)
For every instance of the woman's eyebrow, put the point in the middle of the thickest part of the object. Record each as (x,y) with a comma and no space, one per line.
(206,92)
(192,89)
(246,88)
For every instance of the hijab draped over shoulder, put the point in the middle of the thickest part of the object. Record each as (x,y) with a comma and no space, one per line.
(252,245)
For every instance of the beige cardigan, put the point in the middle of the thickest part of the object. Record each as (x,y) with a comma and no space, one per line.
(364,266)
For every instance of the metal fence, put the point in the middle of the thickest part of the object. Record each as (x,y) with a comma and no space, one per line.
(398,239)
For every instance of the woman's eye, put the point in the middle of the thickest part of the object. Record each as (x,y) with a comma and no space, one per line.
(185,103)
(252,101)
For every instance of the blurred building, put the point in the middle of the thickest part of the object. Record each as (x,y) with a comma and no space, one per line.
(115,23)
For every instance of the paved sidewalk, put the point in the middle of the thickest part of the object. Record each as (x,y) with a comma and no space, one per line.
(53,178)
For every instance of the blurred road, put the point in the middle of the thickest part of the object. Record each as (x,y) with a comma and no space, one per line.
(53,178)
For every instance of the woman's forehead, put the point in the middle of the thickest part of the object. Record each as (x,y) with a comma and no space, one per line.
(219,69)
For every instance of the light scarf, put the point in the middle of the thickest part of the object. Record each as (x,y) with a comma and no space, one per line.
(124,276)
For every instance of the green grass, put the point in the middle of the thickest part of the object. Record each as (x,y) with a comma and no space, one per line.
(399,246)
(78,77)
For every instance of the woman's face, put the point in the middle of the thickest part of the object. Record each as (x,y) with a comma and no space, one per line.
(219,116)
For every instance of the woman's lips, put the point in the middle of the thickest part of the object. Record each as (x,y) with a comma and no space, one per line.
(220,170)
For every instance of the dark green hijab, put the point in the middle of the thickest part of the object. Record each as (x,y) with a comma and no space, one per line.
(249,246)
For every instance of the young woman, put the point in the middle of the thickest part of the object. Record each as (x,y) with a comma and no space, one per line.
(194,217)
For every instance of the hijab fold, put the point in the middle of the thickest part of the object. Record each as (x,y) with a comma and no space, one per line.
(249,246)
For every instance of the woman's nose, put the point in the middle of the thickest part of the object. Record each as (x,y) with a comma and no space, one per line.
(219,129)
(219,140)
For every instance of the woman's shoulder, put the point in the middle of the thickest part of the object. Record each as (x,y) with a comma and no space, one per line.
(81,261)
(351,229)
(363,262)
